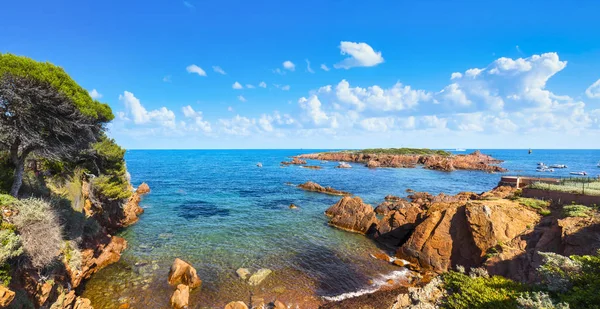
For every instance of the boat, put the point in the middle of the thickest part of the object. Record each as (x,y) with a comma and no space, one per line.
(541,163)
(558,166)
(259,164)
(544,169)
(530,151)
(598,164)
(460,149)
(343,165)
(578,173)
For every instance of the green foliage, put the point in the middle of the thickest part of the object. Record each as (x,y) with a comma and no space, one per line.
(574,280)
(538,300)
(592,188)
(7,171)
(10,245)
(6,199)
(539,205)
(72,255)
(405,151)
(576,211)
(5,276)
(479,292)
(49,73)
(113,182)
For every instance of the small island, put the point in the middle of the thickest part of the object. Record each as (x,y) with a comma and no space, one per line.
(410,158)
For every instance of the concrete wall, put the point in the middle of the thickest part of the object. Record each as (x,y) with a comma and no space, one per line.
(561,197)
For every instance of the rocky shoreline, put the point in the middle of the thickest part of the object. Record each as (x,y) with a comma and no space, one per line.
(475,161)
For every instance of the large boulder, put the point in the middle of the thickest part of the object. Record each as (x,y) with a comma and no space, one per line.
(315,187)
(397,225)
(391,203)
(143,188)
(181,297)
(6,296)
(351,214)
(182,272)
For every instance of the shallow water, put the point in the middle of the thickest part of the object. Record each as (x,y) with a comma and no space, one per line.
(219,211)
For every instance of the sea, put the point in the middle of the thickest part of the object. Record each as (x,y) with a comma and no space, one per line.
(219,211)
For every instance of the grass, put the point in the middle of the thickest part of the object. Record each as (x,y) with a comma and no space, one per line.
(590,188)
(576,211)
(539,205)
(404,151)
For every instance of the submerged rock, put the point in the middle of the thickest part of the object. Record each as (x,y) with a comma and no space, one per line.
(315,187)
(143,188)
(243,273)
(293,206)
(312,167)
(259,276)
(182,271)
(181,296)
(236,305)
(351,214)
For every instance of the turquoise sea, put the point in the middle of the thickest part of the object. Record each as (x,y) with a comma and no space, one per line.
(217,210)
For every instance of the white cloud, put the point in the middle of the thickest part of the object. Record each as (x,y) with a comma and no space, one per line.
(456,75)
(377,124)
(237,85)
(241,98)
(593,90)
(138,113)
(324,67)
(360,55)
(199,123)
(312,108)
(262,85)
(285,88)
(195,69)
(288,65)
(308,68)
(250,86)
(396,98)
(218,69)
(238,125)
(95,94)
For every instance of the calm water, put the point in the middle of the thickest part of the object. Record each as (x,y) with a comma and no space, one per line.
(217,210)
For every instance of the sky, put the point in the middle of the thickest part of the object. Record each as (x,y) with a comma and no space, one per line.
(201,74)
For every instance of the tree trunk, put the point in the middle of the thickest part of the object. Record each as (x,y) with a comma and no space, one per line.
(18,180)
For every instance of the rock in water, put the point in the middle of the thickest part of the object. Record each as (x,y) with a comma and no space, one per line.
(315,187)
(351,214)
(293,206)
(236,305)
(181,296)
(182,271)
(243,273)
(259,276)
(143,188)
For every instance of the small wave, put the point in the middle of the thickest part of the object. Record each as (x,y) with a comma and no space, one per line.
(377,284)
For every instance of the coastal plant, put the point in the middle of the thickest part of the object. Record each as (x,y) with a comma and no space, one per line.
(406,151)
(576,211)
(39,229)
(72,255)
(567,187)
(474,291)
(109,164)
(10,245)
(538,300)
(5,276)
(539,205)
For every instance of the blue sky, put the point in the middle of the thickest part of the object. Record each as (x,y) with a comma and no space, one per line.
(528,70)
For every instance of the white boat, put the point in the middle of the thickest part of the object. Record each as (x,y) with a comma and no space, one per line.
(259,164)
(344,165)
(541,163)
(578,173)
(558,166)
(598,164)
(460,149)
(545,169)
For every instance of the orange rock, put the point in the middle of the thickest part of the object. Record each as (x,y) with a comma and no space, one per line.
(181,296)
(279,305)
(6,296)
(389,281)
(236,305)
(124,306)
(182,271)
(143,189)
(315,187)
(351,214)
(381,256)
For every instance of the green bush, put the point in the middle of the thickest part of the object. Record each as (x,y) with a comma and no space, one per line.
(5,276)
(405,151)
(72,255)
(10,245)
(538,300)
(113,182)
(39,229)
(569,187)
(576,211)
(539,205)
(479,292)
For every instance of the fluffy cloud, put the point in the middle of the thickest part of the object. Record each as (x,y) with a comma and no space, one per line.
(237,125)
(262,85)
(250,86)
(288,65)
(312,109)
(95,94)
(237,85)
(241,98)
(396,98)
(360,55)
(138,113)
(324,67)
(285,87)
(195,69)
(593,90)
(377,124)
(218,69)
(199,124)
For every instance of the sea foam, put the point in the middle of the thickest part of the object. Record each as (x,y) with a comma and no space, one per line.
(377,284)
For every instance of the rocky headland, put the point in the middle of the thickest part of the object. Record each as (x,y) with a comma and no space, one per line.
(410,158)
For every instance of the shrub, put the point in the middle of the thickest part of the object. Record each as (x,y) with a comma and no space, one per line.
(40,231)
(6,199)
(5,276)
(576,211)
(539,205)
(10,245)
(538,300)
(72,255)
(480,291)
(112,182)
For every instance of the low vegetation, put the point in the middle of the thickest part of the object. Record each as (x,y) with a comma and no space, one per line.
(567,282)
(539,205)
(405,151)
(577,211)
(587,188)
